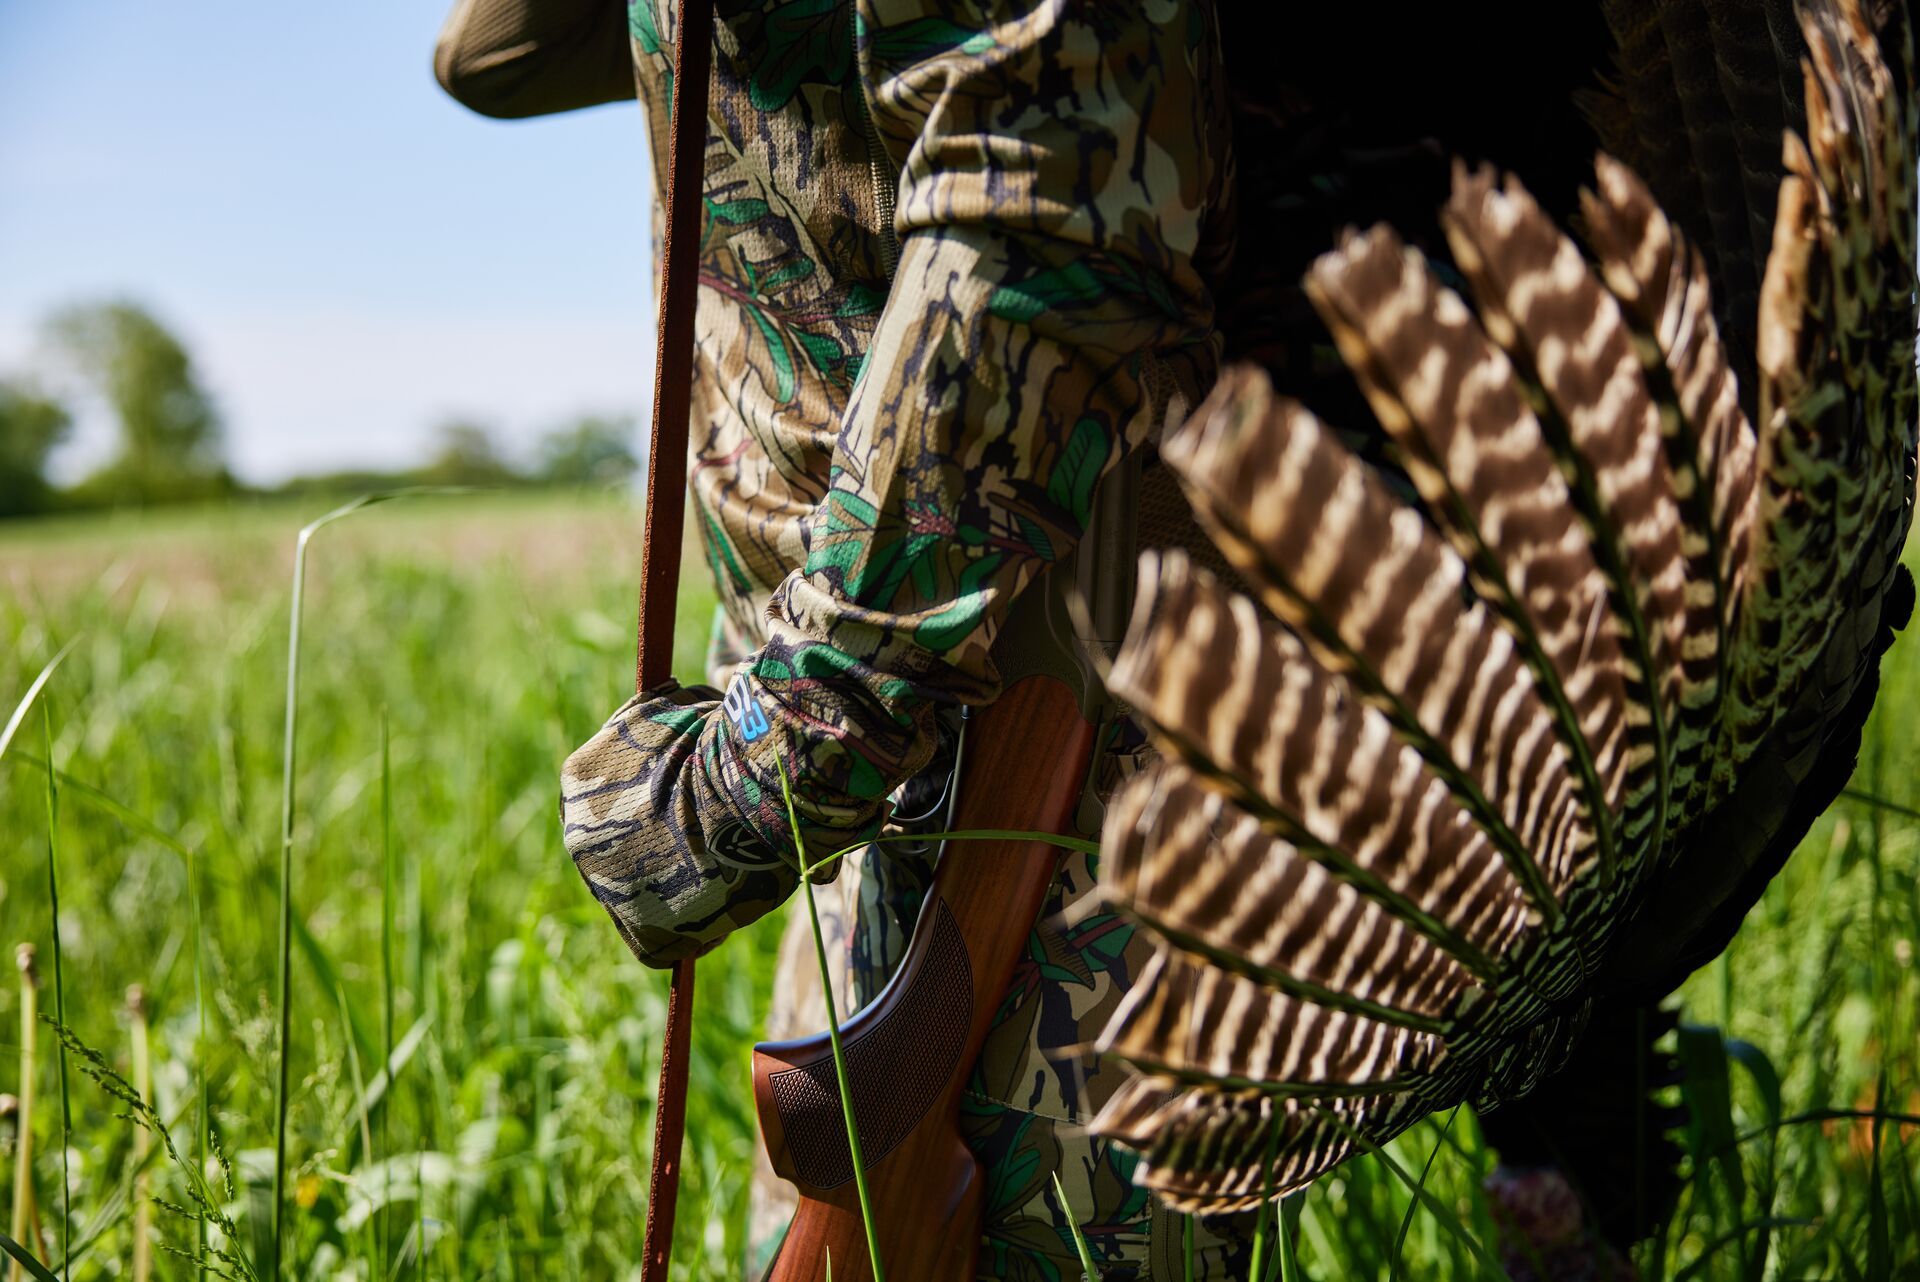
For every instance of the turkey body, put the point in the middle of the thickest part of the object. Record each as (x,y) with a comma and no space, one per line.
(1562,570)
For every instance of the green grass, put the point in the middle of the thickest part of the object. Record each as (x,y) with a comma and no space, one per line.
(473,1051)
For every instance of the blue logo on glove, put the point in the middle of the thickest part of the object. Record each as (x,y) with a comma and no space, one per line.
(748,717)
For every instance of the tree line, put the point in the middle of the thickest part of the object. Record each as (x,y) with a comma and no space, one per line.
(170,434)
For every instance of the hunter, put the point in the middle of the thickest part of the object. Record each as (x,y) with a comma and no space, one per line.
(956,264)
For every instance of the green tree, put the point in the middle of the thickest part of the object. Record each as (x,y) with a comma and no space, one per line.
(592,451)
(467,456)
(169,429)
(31,425)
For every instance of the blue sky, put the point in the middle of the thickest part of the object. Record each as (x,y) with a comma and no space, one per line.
(351,256)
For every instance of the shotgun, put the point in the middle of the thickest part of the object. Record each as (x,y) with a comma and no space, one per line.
(1026,764)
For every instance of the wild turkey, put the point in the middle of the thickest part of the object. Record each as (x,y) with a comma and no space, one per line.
(1541,685)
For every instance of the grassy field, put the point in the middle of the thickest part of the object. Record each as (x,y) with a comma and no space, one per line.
(473,1050)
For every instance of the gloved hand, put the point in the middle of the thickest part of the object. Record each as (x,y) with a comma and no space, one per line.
(672,827)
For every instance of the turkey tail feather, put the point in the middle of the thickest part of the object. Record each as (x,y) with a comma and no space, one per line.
(1416,795)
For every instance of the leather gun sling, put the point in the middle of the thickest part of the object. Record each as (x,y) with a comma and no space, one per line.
(660,551)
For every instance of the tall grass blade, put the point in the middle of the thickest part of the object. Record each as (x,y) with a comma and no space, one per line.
(1080,844)
(373,1098)
(1073,1226)
(1866,798)
(23,1260)
(1413,1203)
(427,997)
(142,1141)
(59,986)
(386,975)
(1817,1116)
(327,976)
(359,1080)
(360,1113)
(1708,1253)
(1289,1262)
(282,1002)
(84,791)
(1766,1080)
(200,1113)
(1262,1238)
(1879,1235)
(24,1212)
(1710,1130)
(283,989)
(833,1030)
(1908,1230)
(23,1209)
(33,692)
(1445,1217)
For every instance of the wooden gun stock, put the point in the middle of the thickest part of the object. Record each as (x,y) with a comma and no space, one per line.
(910,1052)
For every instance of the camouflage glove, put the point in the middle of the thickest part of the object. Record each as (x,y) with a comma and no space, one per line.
(668,814)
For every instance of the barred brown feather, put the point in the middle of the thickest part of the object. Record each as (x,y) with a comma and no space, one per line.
(1229,1150)
(1378,598)
(1446,394)
(1219,885)
(1836,378)
(1565,332)
(1322,767)
(1661,286)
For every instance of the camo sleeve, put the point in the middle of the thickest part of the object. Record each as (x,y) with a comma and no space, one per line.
(1058,173)
(1060,169)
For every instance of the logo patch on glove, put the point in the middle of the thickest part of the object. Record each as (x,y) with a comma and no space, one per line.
(748,717)
(738,845)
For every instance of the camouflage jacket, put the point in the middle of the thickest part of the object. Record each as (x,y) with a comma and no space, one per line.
(955,263)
